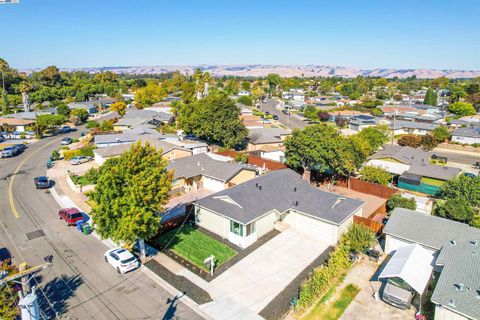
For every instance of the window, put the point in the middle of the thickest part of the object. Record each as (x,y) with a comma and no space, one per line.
(236,228)
(250,228)
(175,182)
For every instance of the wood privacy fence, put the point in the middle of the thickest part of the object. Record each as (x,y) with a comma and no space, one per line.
(257,161)
(375,226)
(369,188)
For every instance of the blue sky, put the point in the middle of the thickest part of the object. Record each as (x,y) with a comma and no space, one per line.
(442,34)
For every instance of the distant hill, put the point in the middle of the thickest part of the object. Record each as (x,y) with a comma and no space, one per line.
(257,70)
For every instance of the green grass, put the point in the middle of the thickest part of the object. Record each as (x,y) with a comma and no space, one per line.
(196,246)
(334,310)
(80,180)
(432,182)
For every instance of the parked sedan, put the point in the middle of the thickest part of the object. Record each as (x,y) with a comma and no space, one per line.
(66,141)
(65,129)
(8,152)
(121,259)
(80,159)
(41,182)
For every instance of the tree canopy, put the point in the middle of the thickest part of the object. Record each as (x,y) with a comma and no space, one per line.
(430,97)
(214,118)
(376,175)
(462,109)
(120,107)
(130,192)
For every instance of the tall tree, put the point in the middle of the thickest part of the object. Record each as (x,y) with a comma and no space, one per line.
(430,97)
(120,107)
(3,68)
(462,109)
(130,192)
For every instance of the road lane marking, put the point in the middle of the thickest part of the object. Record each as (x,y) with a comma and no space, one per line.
(10,184)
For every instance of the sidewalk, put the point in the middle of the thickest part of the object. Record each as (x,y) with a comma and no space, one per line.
(66,197)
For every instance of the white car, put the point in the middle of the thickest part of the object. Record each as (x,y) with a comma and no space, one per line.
(122,260)
(80,159)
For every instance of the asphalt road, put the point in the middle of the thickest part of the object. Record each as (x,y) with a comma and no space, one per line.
(79,284)
(291,122)
(458,157)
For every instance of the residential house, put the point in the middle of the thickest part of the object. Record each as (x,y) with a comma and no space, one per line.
(271,153)
(243,93)
(248,211)
(411,127)
(360,122)
(455,248)
(169,150)
(11,127)
(467,135)
(129,136)
(87,105)
(244,111)
(252,122)
(135,117)
(29,115)
(457,292)
(201,171)
(293,95)
(259,138)
(397,159)
(406,226)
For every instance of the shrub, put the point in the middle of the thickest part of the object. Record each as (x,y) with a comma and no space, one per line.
(375,175)
(92,124)
(429,142)
(55,155)
(457,209)
(397,201)
(410,140)
(441,133)
(357,238)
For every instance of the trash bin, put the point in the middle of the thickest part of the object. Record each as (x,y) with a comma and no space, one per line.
(86,229)
(79,225)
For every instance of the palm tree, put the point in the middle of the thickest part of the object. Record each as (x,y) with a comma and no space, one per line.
(3,67)
(198,76)
(25,87)
(207,80)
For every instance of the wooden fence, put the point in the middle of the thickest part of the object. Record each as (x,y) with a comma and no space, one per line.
(369,188)
(257,161)
(375,226)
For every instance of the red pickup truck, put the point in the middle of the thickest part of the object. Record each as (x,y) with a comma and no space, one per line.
(70,216)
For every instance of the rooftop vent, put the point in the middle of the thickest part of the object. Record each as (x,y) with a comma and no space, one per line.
(337,202)
(295,189)
(295,203)
(459,286)
(451,303)
(474,242)
(259,187)
(453,242)
(478,294)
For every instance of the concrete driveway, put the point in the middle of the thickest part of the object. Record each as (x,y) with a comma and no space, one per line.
(258,278)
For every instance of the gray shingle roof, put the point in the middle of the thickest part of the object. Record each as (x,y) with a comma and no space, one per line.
(461,266)
(471,132)
(399,124)
(127,136)
(279,191)
(434,171)
(427,230)
(121,148)
(202,164)
(407,155)
(266,135)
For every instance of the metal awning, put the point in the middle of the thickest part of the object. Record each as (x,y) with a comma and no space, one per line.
(413,264)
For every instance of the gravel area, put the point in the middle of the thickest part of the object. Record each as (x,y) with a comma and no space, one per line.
(280,305)
(181,283)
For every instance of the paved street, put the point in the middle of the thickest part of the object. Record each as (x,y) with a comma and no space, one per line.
(79,284)
(291,121)
(468,158)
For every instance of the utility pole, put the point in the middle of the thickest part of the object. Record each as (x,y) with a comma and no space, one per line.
(28,301)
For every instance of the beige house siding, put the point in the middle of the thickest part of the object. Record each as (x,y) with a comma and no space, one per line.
(212,222)
(254,147)
(177,154)
(265,224)
(444,314)
(242,176)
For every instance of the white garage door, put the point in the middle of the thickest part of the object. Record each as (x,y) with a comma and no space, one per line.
(316,228)
(213,184)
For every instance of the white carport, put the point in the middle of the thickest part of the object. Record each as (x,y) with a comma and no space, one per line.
(413,264)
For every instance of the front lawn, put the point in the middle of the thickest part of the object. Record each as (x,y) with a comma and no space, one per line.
(335,310)
(195,246)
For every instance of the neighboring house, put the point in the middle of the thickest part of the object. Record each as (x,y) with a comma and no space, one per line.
(412,127)
(29,115)
(347,114)
(130,136)
(293,95)
(406,226)
(244,111)
(426,178)
(243,93)
(169,150)
(202,171)
(271,153)
(260,138)
(397,159)
(87,105)
(456,248)
(195,146)
(360,122)
(457,293)
(14,125)
(135,117)
(246,212)
(466,135)
(252,122)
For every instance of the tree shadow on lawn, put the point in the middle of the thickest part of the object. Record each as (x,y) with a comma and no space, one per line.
(173,237)
(58,291)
